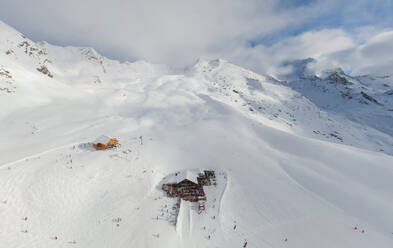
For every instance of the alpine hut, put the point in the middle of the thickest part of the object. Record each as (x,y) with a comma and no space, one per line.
(185,185)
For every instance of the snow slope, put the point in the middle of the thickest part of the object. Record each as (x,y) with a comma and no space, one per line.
(279,182)
(365,100)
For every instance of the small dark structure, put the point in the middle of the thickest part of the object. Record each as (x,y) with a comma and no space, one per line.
(186,189)
(206,178)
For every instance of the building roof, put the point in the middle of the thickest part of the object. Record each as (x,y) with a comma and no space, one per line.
(103,139)
(187,174)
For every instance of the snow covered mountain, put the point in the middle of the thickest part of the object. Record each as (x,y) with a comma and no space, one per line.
(299,163)
(366,100)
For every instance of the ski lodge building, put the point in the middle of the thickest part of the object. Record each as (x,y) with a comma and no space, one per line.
(189,185)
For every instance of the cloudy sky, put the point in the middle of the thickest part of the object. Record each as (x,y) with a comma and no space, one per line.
(354,34)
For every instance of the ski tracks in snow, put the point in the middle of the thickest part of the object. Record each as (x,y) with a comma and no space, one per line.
(38,155)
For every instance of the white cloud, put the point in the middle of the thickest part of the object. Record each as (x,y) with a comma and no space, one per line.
(168,31)
(174,32)
(372,56)
(357,52)
(177,32)
(375,56)
(315,44)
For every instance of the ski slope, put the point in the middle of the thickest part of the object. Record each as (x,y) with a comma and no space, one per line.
(278,182)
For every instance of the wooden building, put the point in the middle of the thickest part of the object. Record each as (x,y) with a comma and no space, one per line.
(206,178)
(186,190)
(190,188)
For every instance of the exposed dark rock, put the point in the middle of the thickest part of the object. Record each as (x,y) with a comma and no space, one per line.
(371,99)
(43,69)
(339,77)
